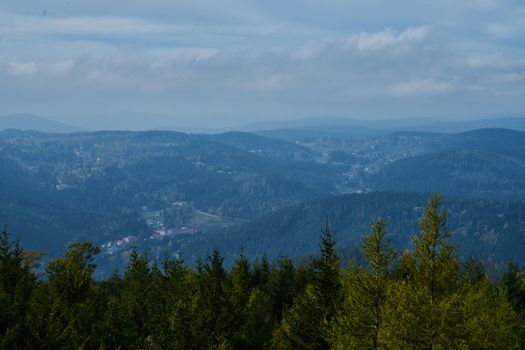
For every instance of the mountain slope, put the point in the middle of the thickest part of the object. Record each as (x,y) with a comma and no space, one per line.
(232,189)
(105,185)
(486,163)
(488,230)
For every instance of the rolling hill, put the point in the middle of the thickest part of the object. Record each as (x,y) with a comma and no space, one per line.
(177,193)
(485,163)
(99,186)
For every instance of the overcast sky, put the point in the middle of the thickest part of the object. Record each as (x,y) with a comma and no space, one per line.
(218,63)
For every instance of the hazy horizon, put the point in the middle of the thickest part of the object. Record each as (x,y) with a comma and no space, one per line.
(220,65)
(455,124)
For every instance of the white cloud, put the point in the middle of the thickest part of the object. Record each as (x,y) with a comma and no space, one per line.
(497,68)
(356,67)
(421,87)
(26,69)
(508,77)
(297,57)
(509,28)
(43,25)
(334,74)
(389,38)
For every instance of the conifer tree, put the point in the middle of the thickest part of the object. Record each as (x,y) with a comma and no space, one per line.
(261,273)
(488,320)
(173,329)
(430,277)
(71,277)
(427,301)
(359,322)
(436,264)
(282,285)
(259,320)
(328,276)
(212,323)
(241,280)
(72,316)
(306,325)
(514,287)
(301,326)
(473,271)
(16,286)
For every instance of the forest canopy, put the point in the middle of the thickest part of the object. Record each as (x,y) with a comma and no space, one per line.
(422,298)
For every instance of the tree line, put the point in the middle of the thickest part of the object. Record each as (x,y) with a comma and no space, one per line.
(423,298)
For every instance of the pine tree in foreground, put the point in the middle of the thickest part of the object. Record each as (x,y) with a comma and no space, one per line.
(359,323)
(423,299)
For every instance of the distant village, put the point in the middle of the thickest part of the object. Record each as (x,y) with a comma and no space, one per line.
(113,247)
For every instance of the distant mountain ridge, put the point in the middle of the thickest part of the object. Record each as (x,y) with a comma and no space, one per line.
(36,123)
(352,128)
(296,129)
(514,123)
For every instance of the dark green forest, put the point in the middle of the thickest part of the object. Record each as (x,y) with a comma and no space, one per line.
(424,297)
(489,231)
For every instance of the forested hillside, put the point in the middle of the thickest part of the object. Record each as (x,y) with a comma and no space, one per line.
(184,194)
(486,163)
(420,298)
(65,188)
(490,231)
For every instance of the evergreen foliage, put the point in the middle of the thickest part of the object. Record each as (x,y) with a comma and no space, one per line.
(360,320)
(424,298)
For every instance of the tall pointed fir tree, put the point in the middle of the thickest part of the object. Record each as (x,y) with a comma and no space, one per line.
(431,274)
(306,325)
(16,285)
(359,323)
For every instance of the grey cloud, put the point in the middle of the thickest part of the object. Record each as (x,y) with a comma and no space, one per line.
(334,76)
(279,59)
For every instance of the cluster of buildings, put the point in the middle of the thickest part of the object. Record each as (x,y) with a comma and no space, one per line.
(112,247)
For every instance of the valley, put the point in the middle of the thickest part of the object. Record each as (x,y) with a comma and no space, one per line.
(183,194)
